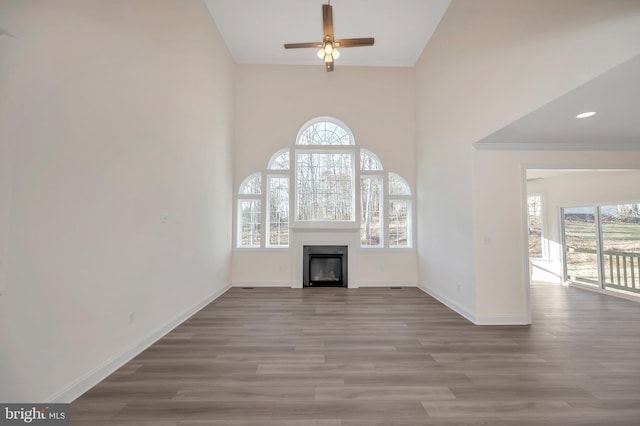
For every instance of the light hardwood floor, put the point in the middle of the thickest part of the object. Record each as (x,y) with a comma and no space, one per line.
(373,357)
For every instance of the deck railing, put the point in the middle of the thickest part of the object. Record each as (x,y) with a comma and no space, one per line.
(621,269)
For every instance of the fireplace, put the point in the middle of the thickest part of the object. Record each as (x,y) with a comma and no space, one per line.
(324,266)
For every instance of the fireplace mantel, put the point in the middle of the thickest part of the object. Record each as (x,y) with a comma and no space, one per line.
(312,226)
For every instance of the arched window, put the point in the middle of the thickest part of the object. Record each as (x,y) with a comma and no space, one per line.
(278,214)
(371,210)
(280,160)
(324,176)
(324,166)
(397,185)
(369,161)
(324,131)
(249,211)
(371,200)
(278,199)
(399,212)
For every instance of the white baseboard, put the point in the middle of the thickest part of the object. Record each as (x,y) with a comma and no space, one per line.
(466,313)
(387,284)
(352,284)
(95,376)
(454,306)
(261,284)
(502,320)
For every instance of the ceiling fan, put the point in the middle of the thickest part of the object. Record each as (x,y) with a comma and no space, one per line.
(329,46)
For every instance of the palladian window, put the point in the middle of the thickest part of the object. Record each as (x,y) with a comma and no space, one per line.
(318,179)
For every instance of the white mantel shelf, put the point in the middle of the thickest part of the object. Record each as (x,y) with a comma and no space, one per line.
(325,227)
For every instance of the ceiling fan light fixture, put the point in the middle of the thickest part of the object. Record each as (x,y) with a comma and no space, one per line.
(328,51)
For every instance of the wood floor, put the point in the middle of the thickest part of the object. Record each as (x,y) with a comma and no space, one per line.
(373,357)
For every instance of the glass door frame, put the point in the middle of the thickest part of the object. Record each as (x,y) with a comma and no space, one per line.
(601,263)
(599,247)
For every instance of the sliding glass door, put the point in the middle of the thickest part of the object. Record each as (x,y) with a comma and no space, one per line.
(602,246)
(621,247)
(581,245)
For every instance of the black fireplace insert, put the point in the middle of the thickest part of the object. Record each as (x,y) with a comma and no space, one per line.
(324,266)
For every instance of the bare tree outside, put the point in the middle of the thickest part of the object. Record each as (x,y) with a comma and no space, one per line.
(370,210)
(398,223)
(249,207)
(250,233)
(278,211)
(324,186)
(399,211)
(325,133)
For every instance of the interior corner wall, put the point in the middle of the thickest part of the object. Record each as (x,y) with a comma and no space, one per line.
(116,130)
(488,64)
(273,102)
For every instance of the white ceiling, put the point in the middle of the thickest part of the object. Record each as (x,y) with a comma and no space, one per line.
(614,95)
(256,30)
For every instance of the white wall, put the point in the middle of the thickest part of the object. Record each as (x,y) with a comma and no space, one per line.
(274,102)
(488,64)
(116,136)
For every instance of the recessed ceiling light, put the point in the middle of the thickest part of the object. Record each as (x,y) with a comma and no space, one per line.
(586,114)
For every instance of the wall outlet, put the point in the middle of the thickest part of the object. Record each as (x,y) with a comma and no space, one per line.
(132,317)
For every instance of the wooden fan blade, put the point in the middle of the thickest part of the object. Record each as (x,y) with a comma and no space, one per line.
(327,21)
(300,45)
(354,42)
(329,66)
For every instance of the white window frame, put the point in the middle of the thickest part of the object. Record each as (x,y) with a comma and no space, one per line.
(383,207)
(408,198)
(267,238)
(249,197)
(356,178)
